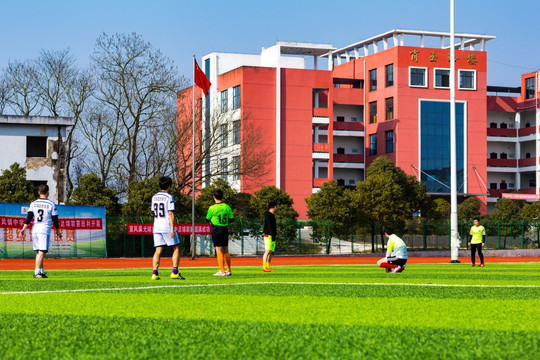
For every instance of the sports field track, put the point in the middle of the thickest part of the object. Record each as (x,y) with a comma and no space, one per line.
(139,263)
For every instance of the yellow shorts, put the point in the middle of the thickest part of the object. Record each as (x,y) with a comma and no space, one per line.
(269,245)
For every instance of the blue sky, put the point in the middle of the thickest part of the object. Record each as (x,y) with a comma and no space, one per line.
(181,28)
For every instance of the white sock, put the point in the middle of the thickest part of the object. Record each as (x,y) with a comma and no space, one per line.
(36,271)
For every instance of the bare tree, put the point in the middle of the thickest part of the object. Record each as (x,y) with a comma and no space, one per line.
(4,92)
(53,71)
(217,142)
(22,82)
(78,88)
(103,132)
(137,86)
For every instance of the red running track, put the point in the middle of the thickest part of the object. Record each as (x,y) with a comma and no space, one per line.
(134,263)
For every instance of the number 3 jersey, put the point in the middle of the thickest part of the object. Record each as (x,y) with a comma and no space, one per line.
(162,203)
(43,210)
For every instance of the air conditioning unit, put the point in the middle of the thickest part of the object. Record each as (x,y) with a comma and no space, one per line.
(511,126)
(510,185)
(511,156)
(355,150)
(353,119)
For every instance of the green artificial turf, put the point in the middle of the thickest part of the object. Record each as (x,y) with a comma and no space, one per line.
(298,312)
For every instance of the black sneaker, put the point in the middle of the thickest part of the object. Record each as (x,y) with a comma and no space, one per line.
(39,276)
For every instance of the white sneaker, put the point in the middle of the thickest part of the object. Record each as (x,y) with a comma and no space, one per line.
(398,269)
(219,273)
(228,273)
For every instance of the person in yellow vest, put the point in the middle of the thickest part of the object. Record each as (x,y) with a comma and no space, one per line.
(477,240)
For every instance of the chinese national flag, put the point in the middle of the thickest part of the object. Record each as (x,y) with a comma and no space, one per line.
(201,80)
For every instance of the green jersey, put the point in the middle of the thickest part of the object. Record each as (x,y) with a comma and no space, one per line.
(219,214)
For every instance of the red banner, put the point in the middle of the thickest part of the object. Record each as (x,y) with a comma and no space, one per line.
(181,229)
(64,223)
(515,196)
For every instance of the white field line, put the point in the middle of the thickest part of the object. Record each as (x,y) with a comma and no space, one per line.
(265,283)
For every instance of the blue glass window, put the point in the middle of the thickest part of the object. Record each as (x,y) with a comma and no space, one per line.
(435,145)
(390,141)
(373,144)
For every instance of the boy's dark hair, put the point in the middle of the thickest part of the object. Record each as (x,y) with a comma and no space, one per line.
(164,182)
(43,189)
(218,194)
(271,204)
(388,230)
(476,218)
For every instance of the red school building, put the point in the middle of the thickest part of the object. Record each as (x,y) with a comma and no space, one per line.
(387,95)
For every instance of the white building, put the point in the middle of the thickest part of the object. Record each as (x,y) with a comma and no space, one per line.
(37,143)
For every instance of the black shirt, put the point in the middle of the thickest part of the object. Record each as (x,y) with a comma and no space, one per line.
(270,225)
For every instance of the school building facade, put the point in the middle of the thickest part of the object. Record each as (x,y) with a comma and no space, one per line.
(327,113)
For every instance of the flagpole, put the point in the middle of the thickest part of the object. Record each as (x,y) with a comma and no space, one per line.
(193,169)
(454,235)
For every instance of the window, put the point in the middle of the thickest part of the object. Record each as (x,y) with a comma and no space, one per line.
(390,141)
(442,78)
(389,75)
(373,144)
(236,97)
(529,88)
(340,118)
(236,132)
(373,112)
(467,79)
(224,135)
(36,146)
(417,77)
(373,80)
(223,169)
(389,108)
(236,168)
(224,101)
(435,145)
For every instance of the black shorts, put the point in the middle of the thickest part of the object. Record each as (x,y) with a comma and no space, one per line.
(220,236)
(396,261)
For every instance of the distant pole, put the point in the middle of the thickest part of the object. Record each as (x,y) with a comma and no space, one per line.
(454,236)
(193,169)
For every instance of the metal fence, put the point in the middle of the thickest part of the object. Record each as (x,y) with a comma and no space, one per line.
(303,237)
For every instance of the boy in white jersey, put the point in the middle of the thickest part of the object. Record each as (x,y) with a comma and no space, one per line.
(164,234)
(44,213)
(396,252)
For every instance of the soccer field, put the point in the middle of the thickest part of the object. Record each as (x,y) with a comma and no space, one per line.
(431,311)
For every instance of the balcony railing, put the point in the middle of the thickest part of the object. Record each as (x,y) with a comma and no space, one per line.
(348,96)
(320,147)
(320,111)
(348,125)
(502,162)
(318,182)
(499,192)
(354,158)
(501,132)
(527,162)
(527,131)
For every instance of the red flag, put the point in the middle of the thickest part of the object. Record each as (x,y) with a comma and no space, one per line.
(201,80)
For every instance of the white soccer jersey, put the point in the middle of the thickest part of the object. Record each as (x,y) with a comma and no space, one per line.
(44,210)
(162,203)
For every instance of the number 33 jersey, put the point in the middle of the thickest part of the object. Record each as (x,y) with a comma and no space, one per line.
(162,203)
(44,210)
